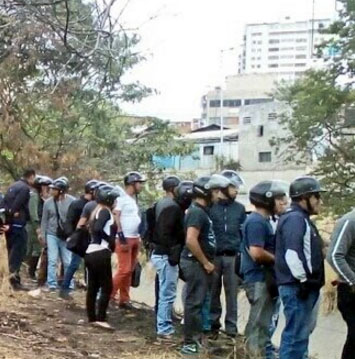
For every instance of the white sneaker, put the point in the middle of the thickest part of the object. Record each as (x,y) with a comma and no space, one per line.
(103,325)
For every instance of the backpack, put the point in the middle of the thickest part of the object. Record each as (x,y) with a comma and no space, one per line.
(148,238)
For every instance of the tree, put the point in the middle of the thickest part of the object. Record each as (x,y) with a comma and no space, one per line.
(321,123)
(62,67)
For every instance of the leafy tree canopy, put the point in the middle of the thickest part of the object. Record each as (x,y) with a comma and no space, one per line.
(321,120)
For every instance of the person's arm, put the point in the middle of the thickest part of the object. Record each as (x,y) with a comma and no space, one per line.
(256,238)
(261,256)
(44,221)
(293,232)
(33,208)
(117,217)
(70,219)
(193,245)
(342,239)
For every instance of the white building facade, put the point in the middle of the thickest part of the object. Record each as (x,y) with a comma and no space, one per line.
(284,48)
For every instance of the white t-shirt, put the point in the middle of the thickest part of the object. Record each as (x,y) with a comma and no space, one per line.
(130,219)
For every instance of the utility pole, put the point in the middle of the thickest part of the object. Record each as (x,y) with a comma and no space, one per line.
(221,98)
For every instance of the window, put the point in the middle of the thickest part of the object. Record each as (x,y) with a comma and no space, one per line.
(301,40)
(301,48)
(208,150)
(272,116)
(264,156)
(300,65)
(261,131)
(274,57)
(286,57)
(273,65)
(255,101)
(260,42)
(256,34)
(246,120)
(287,48)
(215,103)
(273,49)
(232,103)
(301,56)
(286,65)
(274,41)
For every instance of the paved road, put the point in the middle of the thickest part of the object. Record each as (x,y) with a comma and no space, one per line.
(326,341)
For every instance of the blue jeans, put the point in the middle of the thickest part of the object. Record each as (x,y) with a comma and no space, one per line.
(69,274)
(168,278)
(205,313)
(271,351)
(56,247)
(298,314)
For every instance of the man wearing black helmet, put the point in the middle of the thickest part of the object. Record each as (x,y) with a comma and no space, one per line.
(197,263)
(52,228)
(258,248)
(168,240)
(17,212)
(227,216)
(128,221)
(299,265)
(72,219)
(34,247)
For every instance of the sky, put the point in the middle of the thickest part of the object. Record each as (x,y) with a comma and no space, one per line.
(190,45)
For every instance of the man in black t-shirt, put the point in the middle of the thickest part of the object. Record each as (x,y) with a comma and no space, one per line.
(197,260)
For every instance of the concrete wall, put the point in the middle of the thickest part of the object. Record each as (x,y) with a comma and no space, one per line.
(251,143)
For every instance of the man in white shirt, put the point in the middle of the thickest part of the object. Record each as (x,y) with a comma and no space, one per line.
(127,247)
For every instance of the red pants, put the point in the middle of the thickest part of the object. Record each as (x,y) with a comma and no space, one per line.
(127,259)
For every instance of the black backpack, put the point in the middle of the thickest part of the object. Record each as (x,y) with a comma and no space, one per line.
(148,238)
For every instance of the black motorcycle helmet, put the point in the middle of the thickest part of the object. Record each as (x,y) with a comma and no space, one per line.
(233,176)
(218,182)
(199,188)
(170,182)
(133,177)
(264,193)
(90,186)
(107,195)
(305,185)
(61,184)
(183,193)
(41,181)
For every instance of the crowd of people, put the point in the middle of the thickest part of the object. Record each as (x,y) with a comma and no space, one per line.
(197,232)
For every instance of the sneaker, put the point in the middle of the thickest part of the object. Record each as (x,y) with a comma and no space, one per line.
(65,295)
(165,338)
(103,325)
(49,289)
(190,349)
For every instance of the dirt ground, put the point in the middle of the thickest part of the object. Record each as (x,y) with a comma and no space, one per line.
(48,327)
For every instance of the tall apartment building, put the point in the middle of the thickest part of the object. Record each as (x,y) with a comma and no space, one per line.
(284,48)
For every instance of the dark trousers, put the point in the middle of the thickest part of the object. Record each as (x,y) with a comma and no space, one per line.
(225,271)
(98,265)
(346,305)
(16,242)
(198,284)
